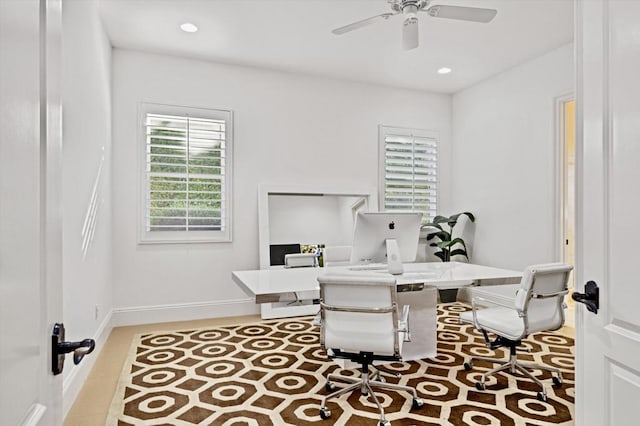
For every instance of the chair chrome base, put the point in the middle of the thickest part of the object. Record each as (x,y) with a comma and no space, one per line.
(513,366)
(366,383)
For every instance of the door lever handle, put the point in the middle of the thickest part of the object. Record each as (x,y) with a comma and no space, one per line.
(590,297)
(60,347)
(79,349)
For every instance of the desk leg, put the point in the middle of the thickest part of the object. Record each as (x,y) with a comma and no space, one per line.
(423,323)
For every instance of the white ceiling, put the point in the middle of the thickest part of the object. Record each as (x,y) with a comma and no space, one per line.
(295,35)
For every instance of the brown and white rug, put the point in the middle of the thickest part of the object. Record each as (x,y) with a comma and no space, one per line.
(272,373)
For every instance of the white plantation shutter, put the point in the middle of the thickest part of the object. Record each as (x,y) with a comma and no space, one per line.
(409,171)
(186,174)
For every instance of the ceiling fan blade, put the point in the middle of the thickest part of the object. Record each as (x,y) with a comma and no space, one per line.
(475,14)
(410,33)
(362,23)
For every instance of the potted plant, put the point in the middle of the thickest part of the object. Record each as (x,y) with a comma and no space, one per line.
(440,233)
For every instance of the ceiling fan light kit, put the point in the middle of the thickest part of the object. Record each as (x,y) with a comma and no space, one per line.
(410,9)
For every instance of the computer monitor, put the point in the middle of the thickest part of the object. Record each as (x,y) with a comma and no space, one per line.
(380,235)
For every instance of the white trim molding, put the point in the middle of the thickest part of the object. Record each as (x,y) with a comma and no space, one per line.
(34,415)
(145,234)
(118,317)
(559,186)
(136,315)
(75,379)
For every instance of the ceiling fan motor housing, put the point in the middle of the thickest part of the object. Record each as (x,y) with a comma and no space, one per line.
(408,6)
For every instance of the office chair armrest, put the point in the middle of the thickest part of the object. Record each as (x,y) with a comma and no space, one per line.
(548,295)
(356,309)
(474,308)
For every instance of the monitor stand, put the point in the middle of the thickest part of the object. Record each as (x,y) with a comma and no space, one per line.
(394,261)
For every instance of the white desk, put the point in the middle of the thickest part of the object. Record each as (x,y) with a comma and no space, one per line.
(281,285)
(268,285)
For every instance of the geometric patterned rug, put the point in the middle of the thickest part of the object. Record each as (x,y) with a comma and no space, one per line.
(272,373)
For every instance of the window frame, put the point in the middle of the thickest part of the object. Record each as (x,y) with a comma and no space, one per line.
(178,237)
(383,132)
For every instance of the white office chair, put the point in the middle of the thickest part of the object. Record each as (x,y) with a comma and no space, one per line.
(538,306)
(360,322)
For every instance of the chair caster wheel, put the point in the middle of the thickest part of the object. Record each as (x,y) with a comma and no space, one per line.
(417,403)
(467,366)
(384,423)
(330,387)
(325,413)
(557,381)
(541,397)
(480,386)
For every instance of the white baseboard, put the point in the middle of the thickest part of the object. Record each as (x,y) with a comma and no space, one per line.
(72,383)
(117,317)
(183,312)
(34,415)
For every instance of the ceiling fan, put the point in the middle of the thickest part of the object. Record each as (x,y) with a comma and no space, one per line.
(410,9)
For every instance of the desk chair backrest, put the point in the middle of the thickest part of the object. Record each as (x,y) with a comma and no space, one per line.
(359,313)
(541,296)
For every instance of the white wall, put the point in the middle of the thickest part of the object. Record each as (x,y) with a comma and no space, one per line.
(86,100)
(288,128)
(504,148)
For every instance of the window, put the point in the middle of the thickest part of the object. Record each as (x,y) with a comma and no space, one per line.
(408,170)
(186,174)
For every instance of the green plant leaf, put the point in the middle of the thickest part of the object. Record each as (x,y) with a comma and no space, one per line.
(459,241)
(440,219)
(446,244)
(431,225)
(459,252)
(432,233)
(453,219)
(468,214)
(442,236)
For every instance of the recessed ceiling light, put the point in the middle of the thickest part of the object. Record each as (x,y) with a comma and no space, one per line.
(444,70)
(188,27)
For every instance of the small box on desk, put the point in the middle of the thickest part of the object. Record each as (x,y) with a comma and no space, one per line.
(299,260)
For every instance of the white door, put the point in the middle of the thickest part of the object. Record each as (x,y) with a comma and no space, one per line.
(30,238)
(608,344)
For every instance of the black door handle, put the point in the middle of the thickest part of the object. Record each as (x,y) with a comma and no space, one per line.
(79,349)
(59,347)
(590,297)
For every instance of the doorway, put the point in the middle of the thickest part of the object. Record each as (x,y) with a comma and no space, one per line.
(567,191)
(569,183)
